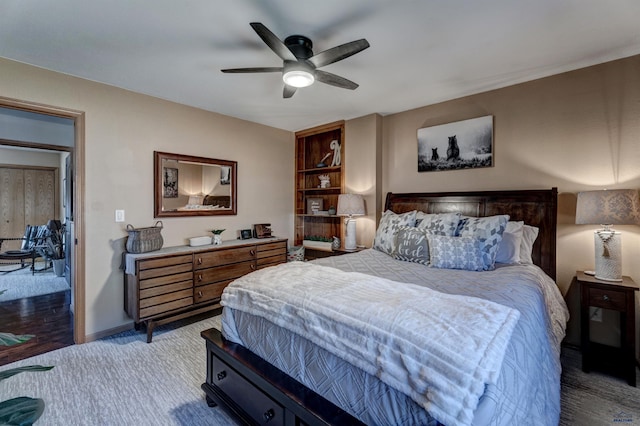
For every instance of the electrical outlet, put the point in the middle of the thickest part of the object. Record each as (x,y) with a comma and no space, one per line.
(119,215)
(595,314)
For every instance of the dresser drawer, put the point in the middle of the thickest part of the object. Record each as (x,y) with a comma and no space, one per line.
(278,247)
(205,293)
(607,299)
(165,303)
(222,273)
(256,404)
(162,262)
(207,259)
(271,261)
(165,270)
(171,287)
(164,280)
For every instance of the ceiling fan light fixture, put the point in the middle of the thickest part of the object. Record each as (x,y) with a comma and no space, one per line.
(298,78)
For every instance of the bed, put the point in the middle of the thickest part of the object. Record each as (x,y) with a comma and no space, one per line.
(267,371)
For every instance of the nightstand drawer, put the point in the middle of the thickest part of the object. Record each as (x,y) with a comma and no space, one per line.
(607,299)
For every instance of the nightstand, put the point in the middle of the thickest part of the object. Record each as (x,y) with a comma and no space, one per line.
(616,296)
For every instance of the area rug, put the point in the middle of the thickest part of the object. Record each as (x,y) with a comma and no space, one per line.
(122,380)
(22,283)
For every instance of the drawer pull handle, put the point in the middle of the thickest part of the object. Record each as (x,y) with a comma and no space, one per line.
(269,414)
(199,277)
(222,375)
(253,267)
(199,261)
(200,294)
(605,298)
(252,252)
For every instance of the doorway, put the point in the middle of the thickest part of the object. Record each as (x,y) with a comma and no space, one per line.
(71,192)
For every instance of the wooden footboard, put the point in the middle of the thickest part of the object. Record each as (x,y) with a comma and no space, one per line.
(258,393)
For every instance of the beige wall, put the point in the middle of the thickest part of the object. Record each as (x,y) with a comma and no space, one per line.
(122,131)
(363,161)
(576,131)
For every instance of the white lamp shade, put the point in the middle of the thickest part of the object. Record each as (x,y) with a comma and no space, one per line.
(350,205)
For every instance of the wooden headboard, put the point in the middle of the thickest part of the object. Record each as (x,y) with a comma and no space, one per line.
(537,208)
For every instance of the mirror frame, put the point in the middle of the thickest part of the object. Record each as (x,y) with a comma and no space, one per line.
(158,157)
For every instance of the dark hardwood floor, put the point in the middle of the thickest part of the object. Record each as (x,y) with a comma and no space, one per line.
(48,317)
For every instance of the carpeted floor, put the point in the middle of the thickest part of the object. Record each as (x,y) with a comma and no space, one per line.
(595,398)
(22,283)
(122,380)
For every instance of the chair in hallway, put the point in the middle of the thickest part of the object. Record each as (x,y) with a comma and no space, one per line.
(33,237)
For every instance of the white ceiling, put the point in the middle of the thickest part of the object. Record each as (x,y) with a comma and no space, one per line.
(422,51)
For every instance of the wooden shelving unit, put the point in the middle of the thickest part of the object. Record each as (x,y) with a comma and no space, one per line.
(311,146)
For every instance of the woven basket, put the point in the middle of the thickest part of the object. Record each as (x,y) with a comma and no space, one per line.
(143,240)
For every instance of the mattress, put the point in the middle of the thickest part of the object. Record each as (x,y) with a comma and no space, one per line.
(528,387)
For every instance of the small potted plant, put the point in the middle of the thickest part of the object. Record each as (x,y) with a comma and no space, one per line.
(217,238)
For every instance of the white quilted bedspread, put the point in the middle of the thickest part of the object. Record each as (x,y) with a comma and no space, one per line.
(440,349)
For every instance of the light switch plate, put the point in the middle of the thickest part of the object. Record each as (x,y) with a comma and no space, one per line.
(119,215)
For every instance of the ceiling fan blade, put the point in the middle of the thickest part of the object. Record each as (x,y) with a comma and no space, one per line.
(247,70)
(338,53)
(289,91)
(335,80)
(273,42)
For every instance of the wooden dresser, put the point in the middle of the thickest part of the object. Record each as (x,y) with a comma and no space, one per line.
(178,282)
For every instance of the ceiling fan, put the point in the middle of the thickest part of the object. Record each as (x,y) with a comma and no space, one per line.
(300,66)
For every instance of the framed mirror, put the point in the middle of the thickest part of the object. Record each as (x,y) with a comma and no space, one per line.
(185,185)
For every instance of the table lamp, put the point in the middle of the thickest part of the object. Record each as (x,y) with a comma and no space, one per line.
(350,205)
(607,208)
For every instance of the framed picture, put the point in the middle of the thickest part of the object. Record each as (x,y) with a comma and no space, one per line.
(170,183)
(314,205)
(225,175)
(466,144)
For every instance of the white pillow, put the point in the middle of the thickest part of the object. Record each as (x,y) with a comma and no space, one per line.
(438,223)
(529,235)
(509,247)
(389,225)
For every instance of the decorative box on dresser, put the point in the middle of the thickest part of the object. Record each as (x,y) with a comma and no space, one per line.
(178,282)
(616,296)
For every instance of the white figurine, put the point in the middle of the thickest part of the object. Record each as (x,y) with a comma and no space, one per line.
(325,181)
(335,146)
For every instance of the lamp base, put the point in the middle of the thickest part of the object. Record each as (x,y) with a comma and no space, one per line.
(608,251)
(350,235)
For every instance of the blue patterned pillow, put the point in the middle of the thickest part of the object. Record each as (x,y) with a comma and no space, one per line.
(456,253)
(438,223)
(389,224)
(411,245)
(488,230)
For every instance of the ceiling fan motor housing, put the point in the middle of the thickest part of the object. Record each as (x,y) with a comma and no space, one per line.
(300,46)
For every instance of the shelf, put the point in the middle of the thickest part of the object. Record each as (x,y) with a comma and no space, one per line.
(313,145)
(331,188)
(321,169)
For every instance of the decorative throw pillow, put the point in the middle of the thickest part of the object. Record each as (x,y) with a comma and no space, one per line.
(388,227)
(456,253)
(438,223)
(529,235)
(411,245)
(509,247)
(489,230)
